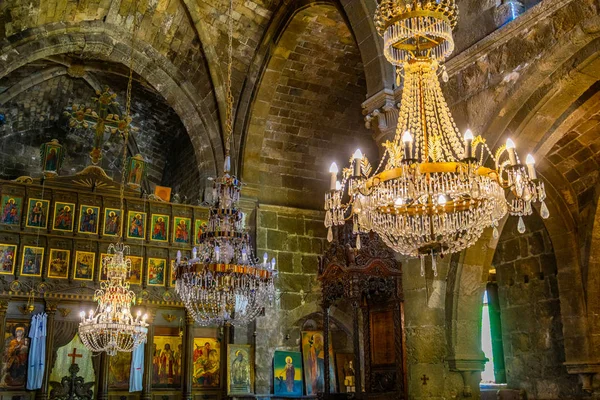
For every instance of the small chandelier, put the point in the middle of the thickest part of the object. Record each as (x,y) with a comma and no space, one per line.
(223,283)
(112,328)
(431,193)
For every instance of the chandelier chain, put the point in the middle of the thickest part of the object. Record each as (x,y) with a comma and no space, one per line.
(229,92)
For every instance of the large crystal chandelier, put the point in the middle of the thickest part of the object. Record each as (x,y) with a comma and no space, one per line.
(112,328)
(223,283)
(431,193)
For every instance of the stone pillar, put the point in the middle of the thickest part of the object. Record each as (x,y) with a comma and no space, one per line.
(148,357)
(381,115)
(3,308)
(103,377)
(188,351)
(42,393)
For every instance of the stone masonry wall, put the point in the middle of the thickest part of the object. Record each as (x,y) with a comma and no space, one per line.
(532,331)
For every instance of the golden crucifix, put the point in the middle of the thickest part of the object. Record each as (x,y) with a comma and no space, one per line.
(101,120)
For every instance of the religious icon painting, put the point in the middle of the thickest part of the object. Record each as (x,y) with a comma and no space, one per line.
(137,266)
(287,373)
(58,264)
(15,357)
(167,366)
(199,228)
(206,361)
(103,271)
(63,217)
(159,228)
(344,368)
(157,269)
(88,219)
(313,356)
(112,222)
(240,374)
(118,370)
(136,225)
(84,266)
(136,171)
(8,256)
(52,155)
(37,213)
(31,262)
(181,230)
(11,210)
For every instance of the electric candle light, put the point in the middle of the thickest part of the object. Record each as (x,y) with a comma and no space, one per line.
(333,170)
(530,161)
(468,144)
(357,160)
(407,139)
(510,147)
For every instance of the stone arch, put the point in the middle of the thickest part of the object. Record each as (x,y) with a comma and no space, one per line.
(304,107)
(107,43)
(359,18)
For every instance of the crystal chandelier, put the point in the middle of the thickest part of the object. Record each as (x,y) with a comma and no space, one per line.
(431,193)
(112,328)
(223,283)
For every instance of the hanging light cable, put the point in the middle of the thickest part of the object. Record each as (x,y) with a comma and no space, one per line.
(112,327)
(223,282)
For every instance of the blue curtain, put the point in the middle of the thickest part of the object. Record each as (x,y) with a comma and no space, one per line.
(137,369)
(37,351)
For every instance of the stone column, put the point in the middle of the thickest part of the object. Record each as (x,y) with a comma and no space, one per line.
(188,351)
(103,377)
(381,115)
(148,357)
(3,308)
(42,393)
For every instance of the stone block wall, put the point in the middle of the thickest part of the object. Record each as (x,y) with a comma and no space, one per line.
(530,311)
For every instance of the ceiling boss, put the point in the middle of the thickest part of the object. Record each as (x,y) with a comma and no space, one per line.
(431,193)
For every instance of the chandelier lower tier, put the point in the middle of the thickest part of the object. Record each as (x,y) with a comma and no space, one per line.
(112,328)
(223,283)
(431,193)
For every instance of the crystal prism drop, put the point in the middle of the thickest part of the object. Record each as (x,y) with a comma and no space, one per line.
(495,233)
(445,76)
(521,225)
(422,266)
(329,235)
(544,212)
(358,242)
(434,264)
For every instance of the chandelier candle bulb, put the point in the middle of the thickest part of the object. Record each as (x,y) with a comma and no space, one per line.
(510,147)
(407,139)
(357,161)
(338,186)
(333,170)
(530,161)
(468,144)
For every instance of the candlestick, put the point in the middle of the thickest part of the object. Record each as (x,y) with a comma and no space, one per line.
(407,139)
(510,147)
(468,144)
(333,170)
(357,161)
(530,161)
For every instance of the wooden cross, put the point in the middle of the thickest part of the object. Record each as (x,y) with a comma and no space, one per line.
(424,379)
(74,355)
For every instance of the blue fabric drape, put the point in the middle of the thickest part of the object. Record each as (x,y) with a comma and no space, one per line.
(137,369)
(37,351)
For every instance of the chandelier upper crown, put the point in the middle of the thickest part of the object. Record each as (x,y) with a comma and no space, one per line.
(414,29)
